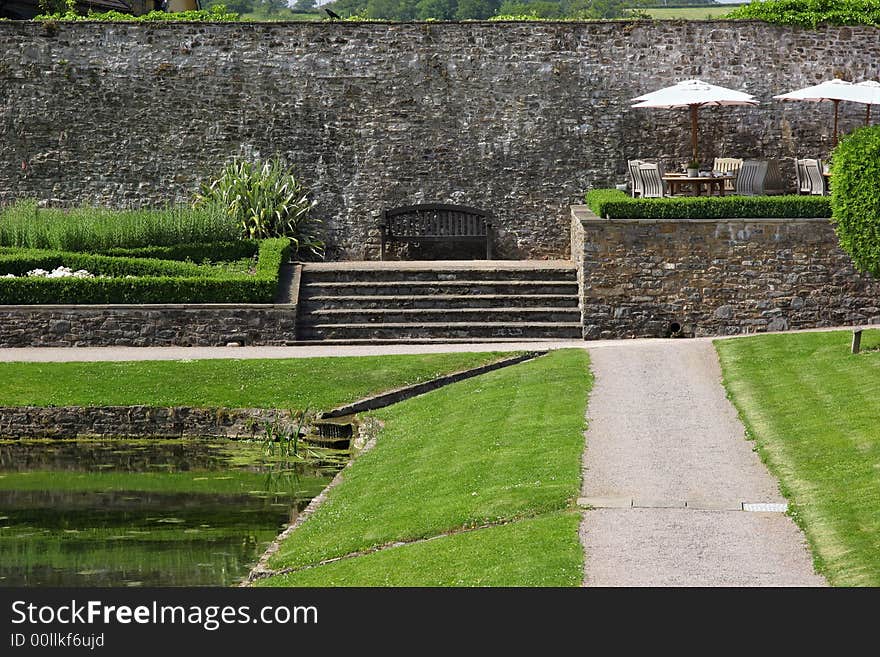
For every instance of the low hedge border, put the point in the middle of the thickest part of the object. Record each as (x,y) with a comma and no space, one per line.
(157,281)
(615,204)
(197,252)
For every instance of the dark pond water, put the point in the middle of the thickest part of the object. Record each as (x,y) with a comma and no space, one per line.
(144,513)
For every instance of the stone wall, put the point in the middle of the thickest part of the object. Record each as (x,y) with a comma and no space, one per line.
(520,118)
(146,325)
(148,421)
(716,277)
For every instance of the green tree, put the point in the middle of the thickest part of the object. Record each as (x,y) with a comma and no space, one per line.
(304,6)
(476,9)
(443,10)
(855,197)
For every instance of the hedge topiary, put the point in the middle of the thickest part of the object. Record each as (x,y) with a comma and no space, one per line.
(614,204)
(155,281)
(855,197)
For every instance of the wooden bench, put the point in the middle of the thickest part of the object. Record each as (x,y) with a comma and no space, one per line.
(436,222)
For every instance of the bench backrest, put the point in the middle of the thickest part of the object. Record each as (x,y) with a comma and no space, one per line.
(436,220)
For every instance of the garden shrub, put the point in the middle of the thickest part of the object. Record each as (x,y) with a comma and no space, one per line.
(198,252)
(615,204)
(855,197)
(266,200)
(811,13)
(215,14)
(156,281)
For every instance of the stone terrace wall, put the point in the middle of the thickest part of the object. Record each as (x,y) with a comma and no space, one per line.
(716,277)
(151,421)
(146,326)
(520,118)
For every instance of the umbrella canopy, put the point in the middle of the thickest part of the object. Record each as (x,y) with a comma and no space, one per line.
(871,96)
(835,91)
(693,94)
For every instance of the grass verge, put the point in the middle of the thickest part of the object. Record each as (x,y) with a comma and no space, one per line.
(814,410)
(535,552)
(501,447)
(316,383)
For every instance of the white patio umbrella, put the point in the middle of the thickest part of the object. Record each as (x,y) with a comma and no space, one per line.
(837,90)
(694,94)
(871,91)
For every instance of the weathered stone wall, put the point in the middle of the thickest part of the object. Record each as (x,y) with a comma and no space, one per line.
(152,421)
(716,277)
(520,118)
(146,326)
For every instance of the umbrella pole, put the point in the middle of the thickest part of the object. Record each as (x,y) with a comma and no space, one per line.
(867,115)
(834,141)
(694,132)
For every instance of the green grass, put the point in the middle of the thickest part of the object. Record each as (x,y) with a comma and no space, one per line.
(316,383)
(534,552)
(689,13)
(814,411)
(88,229)
(502,446)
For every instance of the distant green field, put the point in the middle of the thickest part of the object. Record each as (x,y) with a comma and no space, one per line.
(690,13)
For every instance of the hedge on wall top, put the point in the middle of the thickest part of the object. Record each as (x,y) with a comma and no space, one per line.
(855,197)
(811,13)
(614,204)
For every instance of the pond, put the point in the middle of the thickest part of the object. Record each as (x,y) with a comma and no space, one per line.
(145,512)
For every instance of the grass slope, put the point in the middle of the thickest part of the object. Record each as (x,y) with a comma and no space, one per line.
(814,410)
(317,383)
(501,446)
(689,13)
(535,552)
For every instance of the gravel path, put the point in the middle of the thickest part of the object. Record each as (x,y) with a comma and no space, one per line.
(663,434)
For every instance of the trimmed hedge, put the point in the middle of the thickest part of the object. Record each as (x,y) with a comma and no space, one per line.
(855,197)
(158,281)
(198,252)
(615,204)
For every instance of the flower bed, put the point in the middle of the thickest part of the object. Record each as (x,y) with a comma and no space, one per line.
(129,280)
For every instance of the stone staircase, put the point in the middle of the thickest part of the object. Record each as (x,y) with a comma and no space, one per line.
(444,301)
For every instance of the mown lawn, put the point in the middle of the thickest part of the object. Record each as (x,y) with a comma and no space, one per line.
(501,447)
(315,383)
(814,411)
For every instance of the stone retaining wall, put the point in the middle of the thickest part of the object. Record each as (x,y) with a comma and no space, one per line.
(715,277)
(147,325)
(146,421)
(517,118)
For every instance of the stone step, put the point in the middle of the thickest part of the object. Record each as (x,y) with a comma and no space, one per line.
(313,274)
(441,301)
(423,288)
(439,315)
(447,330)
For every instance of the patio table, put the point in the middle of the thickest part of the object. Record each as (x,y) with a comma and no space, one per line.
(676,181)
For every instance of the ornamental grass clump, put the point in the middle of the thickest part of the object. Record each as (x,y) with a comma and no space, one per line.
(266,200)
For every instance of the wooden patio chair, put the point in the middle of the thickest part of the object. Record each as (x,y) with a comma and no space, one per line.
(813,169)
(635,183)
(652,183)
(728,165)
(803,180)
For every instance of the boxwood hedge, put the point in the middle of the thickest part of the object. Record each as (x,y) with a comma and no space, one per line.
(855,197)
(615,204)
(155,281)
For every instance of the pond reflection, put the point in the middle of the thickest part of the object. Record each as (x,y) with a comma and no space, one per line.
(145,512)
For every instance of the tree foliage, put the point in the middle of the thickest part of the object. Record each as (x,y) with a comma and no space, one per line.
(855,197)
(811,13)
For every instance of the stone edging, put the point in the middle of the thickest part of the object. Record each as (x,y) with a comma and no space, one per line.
(399,394)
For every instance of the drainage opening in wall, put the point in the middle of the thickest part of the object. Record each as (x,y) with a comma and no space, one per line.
(674,330)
